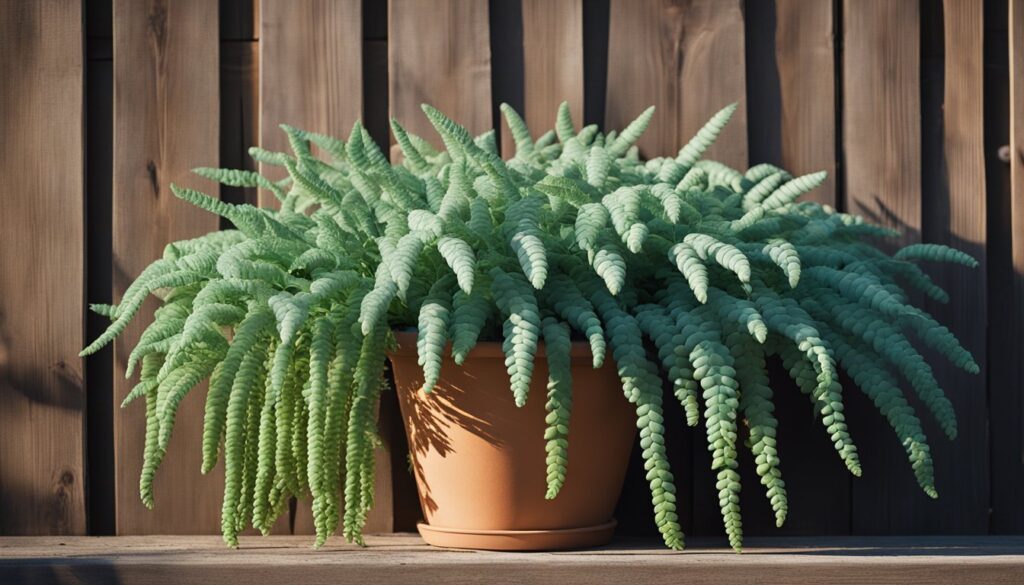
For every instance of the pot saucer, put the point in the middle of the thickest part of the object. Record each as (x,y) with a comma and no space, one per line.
(518,540)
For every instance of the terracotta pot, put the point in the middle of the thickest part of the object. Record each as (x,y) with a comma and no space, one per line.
(479,461)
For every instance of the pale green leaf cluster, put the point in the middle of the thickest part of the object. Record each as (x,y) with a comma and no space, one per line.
(679,269)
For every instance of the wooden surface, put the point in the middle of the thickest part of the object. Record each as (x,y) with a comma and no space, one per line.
(954,213)
(552,62)
(686,58)
(166,121)
(682,57)
(905,87)
(311,71)
(404,558)
(805,54)
(42,280)
(882,145)
(450,68)
(881,113)
(1017,171)
(315,45)
(1008,329)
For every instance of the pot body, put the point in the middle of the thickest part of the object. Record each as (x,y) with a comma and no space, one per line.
(480,461)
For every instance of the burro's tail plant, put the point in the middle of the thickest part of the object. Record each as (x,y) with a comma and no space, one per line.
(679,269)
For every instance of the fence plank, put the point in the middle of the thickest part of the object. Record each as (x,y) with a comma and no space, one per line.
(42,484)
(882,107)
(552,61)
(955,214)
(685,57)
(1007,375)
(166,121)
(882,143)
(805,54)
(439,54)
(311,71)
(316,45)
(450,69)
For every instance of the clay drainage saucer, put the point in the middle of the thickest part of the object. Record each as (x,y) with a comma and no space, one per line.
(518,540)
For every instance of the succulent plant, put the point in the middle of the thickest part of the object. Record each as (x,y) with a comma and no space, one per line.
(683,271)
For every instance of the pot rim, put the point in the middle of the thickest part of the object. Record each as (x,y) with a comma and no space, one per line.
(487,349)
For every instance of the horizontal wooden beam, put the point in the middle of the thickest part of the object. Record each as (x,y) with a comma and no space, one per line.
(404,558)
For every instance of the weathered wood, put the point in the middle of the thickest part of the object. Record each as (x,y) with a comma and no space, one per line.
(450,69)
(403,558)
(552,61)
(681,56)
(315,45)
(311,70)
(1006,316)
(954,213)
(686,58)
(42,281)
(881,113)
(439,55)
(882,148)
(166,121)
(805,56)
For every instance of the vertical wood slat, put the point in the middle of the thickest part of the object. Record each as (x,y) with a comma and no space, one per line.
(956,215)
(882,148)
(881,113)
(311,71)
(439,54)
(805,53)
(450,69)
(166,121)
(311,77)
(802,125)
(552,64)
(42,285)
(685,57)
(1011,466)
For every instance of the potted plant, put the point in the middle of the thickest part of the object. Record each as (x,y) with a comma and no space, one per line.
(574,270)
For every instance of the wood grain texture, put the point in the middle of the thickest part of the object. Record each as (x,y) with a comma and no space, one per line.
(552,62)
(882,113)
(42,284)
(1007,312)
(882,148)
(686,57)
(956,215)
(311,77)
(439,54)
(166,121)
(1017,176)
(953,213)
(805,54)
(311,71)
(403,558)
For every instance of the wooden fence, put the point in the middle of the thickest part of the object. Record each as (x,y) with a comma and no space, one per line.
(103,104)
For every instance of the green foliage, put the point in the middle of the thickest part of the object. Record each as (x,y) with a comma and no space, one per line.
(557,345)
(679,269)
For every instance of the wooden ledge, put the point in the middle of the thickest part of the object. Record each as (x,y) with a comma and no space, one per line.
(404,558)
